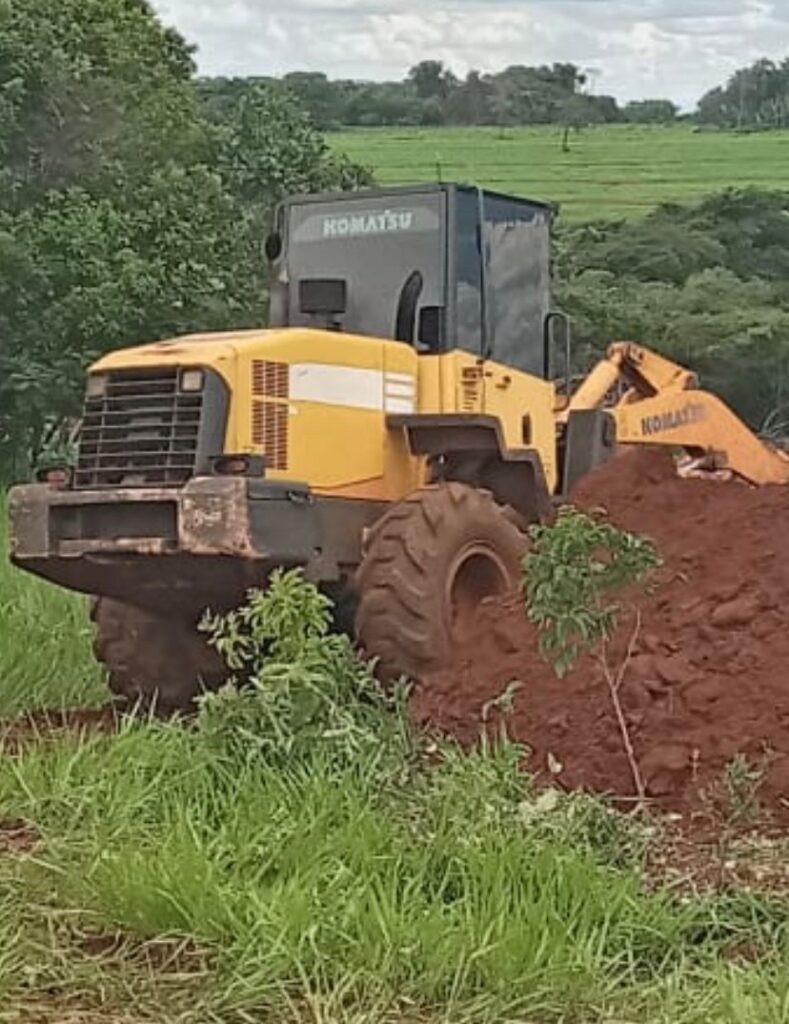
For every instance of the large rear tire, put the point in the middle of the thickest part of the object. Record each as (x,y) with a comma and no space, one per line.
(157,663)
(428,563)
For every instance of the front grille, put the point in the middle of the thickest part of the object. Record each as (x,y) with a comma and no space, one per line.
(141,431)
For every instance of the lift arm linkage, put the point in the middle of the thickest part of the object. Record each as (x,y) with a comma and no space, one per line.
(664,406)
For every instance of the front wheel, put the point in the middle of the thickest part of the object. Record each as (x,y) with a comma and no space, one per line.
(428,563)
(156,662)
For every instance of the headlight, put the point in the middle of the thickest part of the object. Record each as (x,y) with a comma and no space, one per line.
(97,385)
(192,380)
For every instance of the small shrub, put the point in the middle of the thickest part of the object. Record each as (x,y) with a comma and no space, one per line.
(572,569)
(297,690)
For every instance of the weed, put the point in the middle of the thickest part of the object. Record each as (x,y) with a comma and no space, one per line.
(575,567)
(742,782)
(305,688)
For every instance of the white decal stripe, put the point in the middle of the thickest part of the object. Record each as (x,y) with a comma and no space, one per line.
(399,390)
(400,405)
(352,387)
(337,385)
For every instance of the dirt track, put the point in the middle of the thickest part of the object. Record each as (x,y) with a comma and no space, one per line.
(710,676)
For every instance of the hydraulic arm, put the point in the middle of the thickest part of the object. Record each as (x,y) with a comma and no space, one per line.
(660,403)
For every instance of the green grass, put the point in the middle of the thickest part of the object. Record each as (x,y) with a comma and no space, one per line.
(610,171)
(312,892)
(45,655)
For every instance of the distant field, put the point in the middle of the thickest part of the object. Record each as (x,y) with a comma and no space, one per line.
(610,171)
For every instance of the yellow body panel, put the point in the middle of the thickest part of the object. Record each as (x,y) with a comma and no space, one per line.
(525,407)
(315,403)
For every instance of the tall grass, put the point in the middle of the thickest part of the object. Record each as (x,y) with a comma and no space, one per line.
(45,651)
(440,896)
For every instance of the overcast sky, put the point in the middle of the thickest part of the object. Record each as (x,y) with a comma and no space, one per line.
(637,48)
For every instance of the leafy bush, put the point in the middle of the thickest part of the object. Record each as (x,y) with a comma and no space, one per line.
(297,687)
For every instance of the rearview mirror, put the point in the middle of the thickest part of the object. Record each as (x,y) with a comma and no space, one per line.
(273,246)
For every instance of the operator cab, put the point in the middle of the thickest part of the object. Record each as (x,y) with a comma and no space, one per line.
(439,267)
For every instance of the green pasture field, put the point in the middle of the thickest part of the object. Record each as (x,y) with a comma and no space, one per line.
(610,172)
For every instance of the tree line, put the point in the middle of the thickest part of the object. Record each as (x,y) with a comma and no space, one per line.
(431,94)
(755,97)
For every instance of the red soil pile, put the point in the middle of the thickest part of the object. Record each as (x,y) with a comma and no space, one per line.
(709,678)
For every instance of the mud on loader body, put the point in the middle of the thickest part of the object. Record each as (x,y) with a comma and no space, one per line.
(393,432)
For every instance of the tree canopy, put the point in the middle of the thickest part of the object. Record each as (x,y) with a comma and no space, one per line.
(126,213)
(705,284)
(755,97)
(430,94)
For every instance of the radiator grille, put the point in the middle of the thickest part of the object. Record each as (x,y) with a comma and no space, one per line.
(270,411)
(140,431)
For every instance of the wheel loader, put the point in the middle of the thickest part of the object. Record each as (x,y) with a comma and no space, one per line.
(393,431)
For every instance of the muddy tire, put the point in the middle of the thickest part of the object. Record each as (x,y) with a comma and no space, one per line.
(154,662)
(428,563)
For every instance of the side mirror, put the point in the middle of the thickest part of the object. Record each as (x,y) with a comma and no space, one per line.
(273,246)
(429,330)
(559,348)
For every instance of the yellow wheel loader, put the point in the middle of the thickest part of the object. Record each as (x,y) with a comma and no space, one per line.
(393,432)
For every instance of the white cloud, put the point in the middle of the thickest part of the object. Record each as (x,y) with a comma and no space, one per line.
(675,48)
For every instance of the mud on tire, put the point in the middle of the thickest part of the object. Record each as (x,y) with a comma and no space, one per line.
(428,563)
(154,661)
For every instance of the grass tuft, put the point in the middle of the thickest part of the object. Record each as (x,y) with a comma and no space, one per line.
(45,643)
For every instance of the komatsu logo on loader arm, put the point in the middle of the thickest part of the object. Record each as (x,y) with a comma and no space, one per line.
(693,412)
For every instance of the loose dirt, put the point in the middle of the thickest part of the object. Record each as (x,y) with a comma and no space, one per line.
(709,676)
(35,727)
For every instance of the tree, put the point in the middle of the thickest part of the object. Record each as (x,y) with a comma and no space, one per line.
(90,89)
(574,113)
(431,80)
(754,97)
(125,215)
(318,96)
(471,101)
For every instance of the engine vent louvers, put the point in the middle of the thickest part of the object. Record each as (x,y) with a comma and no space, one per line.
(269,380)
(140,431)
(270,411)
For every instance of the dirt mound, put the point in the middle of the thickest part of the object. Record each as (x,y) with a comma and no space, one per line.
(709,678)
